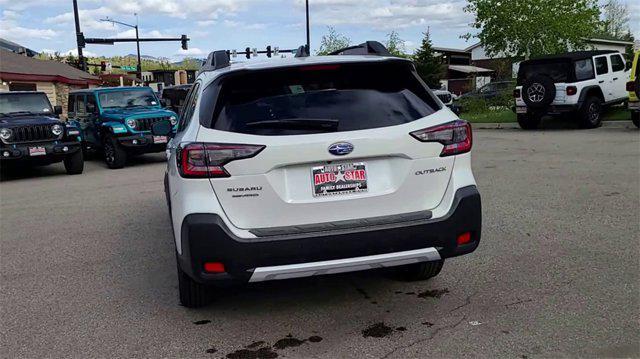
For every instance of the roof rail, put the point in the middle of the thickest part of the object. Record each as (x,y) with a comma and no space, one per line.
(216,60)
(366,48)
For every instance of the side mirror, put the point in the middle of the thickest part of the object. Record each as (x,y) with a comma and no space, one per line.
(57,109)
(162,128)
(628,66)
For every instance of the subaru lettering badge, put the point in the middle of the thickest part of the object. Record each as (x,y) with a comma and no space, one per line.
(340,148)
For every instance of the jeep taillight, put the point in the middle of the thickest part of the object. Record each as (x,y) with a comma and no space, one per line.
(206,160)
(631,86)
(516,93)
(571,90)
(455,136)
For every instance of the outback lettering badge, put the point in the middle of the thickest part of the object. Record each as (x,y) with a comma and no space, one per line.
(430,171)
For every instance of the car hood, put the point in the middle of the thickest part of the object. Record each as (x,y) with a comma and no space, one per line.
(17,121)
(137,112)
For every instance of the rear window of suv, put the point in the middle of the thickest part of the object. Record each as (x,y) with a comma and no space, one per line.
(558,70)
(321,98)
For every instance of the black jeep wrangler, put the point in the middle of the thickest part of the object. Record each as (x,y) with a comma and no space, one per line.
(32,133)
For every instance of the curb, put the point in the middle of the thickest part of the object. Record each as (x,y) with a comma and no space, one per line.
(515,126)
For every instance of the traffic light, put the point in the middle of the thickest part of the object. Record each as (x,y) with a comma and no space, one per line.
(269,51)
(184,41)
(247,52)
(103,66)
(80,40)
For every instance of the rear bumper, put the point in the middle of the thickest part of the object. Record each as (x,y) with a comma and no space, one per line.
(55,151)
(205,238)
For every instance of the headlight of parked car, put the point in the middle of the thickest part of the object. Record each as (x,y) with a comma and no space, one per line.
(132,123)
(173,120)
(5,133)
(56,130)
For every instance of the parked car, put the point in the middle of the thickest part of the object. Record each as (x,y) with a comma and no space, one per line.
(490,91)
(633,87)
(116,121)
(174,96)
(447,99)
(307,166)
(32,133)
(580,83)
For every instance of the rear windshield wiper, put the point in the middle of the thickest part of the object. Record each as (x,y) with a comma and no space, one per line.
(298,123)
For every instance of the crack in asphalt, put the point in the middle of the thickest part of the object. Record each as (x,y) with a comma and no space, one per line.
(519,301)
(466,302)
(433,335)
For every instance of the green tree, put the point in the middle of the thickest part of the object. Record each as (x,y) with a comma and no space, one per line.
(332,41)
(395,44)
(615,21)
(532,28)
(429,66)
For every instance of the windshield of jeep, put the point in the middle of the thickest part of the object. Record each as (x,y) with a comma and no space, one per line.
(559,70)
(24,103)
(322,98)
(127,98)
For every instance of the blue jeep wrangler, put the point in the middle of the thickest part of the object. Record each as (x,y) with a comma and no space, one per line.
(117,121)
(32,133)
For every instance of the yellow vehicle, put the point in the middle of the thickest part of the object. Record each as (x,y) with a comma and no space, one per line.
(633,86)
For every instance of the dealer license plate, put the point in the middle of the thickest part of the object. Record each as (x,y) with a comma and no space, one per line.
(159,139)
(339,179)
(521,110)
(37,151)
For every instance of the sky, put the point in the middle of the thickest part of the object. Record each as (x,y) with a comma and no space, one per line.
(47,25)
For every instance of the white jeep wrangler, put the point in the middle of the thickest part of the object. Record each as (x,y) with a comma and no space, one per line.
(580,82)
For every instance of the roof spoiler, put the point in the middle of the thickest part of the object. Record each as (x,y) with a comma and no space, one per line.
(216,60)
(366,48)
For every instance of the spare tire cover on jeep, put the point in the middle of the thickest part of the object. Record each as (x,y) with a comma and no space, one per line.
(538,91)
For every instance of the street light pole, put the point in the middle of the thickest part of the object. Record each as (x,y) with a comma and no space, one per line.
(139,67)
(81,61)
(308,36)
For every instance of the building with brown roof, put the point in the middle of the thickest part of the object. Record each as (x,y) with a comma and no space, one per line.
(56,79)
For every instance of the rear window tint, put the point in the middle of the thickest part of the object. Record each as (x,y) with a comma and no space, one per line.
(323,98)
(559,71)
(584,69)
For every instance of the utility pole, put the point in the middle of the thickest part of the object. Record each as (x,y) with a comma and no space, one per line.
(79,36)
(139,67)
(308,35)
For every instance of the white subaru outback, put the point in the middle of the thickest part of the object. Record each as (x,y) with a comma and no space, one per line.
(580,83)
(316,165)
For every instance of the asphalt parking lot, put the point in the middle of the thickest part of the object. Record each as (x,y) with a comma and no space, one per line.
(87,269)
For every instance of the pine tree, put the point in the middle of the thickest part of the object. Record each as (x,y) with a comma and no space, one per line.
(429,66)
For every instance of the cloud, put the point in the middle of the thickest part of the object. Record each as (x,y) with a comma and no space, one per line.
(193,51)
(131,33)
(19,33)
(73,52)
(388,14)
(247,25)
(89,18)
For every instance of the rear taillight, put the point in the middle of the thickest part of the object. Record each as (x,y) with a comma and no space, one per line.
(206,160)
(631,86)
(455,136)
(571,90)
(516,93)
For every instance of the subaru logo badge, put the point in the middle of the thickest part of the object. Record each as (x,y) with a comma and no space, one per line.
(340,148)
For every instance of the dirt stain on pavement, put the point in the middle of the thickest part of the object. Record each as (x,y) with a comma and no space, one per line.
(288,343)
(262,353)
(401,329)
(435,293)
(378,330)
(211,350)
(315,339)
(257,344)
(201,322)
(428,324)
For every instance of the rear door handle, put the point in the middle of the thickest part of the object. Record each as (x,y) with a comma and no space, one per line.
(601,81)
(615,78)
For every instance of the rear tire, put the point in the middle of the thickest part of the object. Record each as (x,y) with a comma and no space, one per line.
(529,122)
(114,155)
(590,113)
(635,118)
(422,270)
(74,164)
(192,293)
